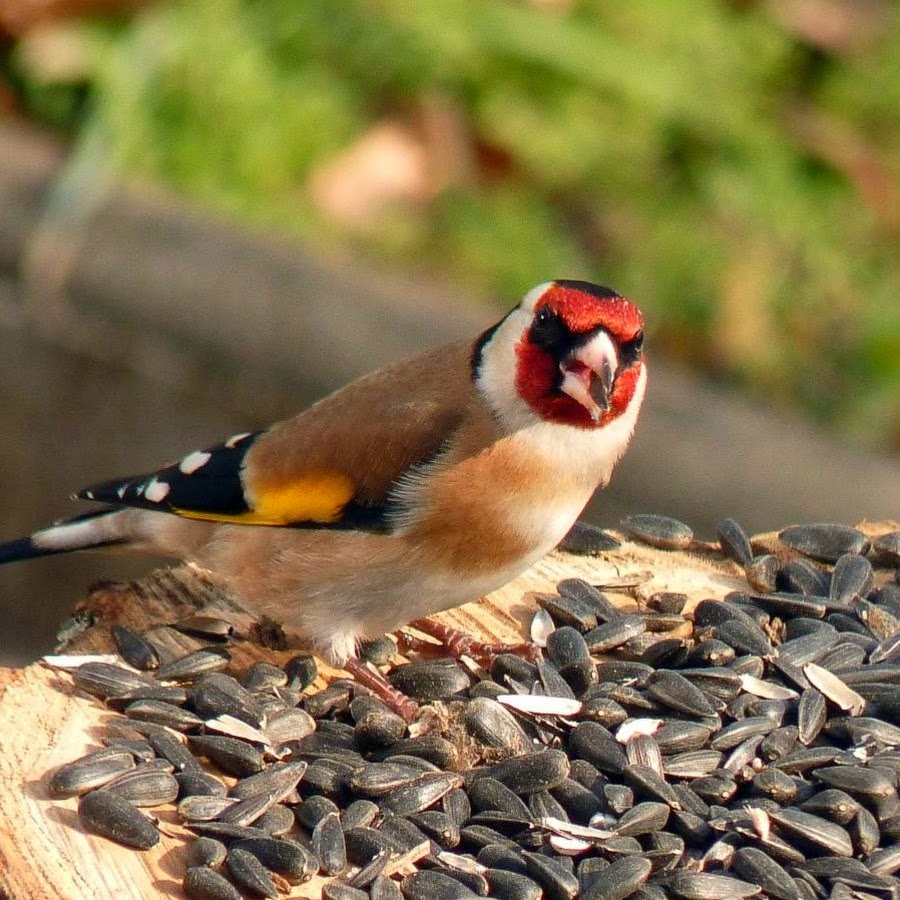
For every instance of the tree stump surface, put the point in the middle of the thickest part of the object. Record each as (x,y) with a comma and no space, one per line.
(45,722)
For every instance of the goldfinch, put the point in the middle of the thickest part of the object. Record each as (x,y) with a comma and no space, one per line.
(422,486)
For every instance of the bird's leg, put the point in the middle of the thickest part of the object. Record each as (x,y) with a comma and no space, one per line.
(458,643)
(369,677)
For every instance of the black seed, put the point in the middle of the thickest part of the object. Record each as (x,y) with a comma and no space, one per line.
(383,888)
(614,633)
(334,890)
(675,691)
(734,542)
(161,713)
(115,818)
(359,814)
(194,665)
(620,879)
(202,883)
(585,539)
(434,886)
(106,680)
(427,681)
(135,649)
(488,793)
(301,671)
(438,826)
(145,786)
(801,577)
(565,610)
(229,754)
(706,886)
(824,542)
(593,742)
(557,882)
(90,772)
(378,651)
(505,885)
(420,793)
(169,747)
(250,874)
(204,851)
(762,572)
(494,725)
(658,531)
(595,599)
(813,830)
(643,818)
(532,772)
(287,858)
(218,694)
(329,846)
(744,638)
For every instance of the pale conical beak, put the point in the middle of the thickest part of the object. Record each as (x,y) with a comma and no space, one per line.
(589,374)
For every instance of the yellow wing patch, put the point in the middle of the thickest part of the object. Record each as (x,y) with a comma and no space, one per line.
(312,497)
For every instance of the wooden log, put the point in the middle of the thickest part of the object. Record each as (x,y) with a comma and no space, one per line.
(45,721)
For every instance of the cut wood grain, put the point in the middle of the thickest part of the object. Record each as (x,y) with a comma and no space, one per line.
(45,721)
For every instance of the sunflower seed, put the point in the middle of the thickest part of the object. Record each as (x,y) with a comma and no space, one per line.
(427,681)
(202,883)
(286,857)
(145,786)
(592,742)
(565,610)
(112,817)
(643,818)
(204,851)
(734,542)
(620,879)
(762,572)
(229,754)
(160,713)
(194,665)
(814,830)
(658,531)
(557,881)
(706,886)
(106,680)
(592,597)
(614,633)
(532,772)
(675,691)
(90,772)
(420,793)
(135,649)
(826,542)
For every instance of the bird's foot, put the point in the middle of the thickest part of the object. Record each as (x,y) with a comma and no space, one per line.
(458,643)
(369,677)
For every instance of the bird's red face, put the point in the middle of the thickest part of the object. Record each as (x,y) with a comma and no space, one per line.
(580,360)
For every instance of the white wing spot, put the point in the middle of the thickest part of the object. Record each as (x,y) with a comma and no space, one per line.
(193,461)
(156,491)
(235,439)
(121,491)
(89,495)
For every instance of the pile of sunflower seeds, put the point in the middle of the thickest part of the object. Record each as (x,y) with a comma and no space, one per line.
(750,749)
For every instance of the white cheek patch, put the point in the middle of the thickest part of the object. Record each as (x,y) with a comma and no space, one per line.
(529,301)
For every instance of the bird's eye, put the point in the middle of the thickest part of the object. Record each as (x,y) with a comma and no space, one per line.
(631,350)
(544,315)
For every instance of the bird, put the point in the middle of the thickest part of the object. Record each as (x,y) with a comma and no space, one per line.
(417,488)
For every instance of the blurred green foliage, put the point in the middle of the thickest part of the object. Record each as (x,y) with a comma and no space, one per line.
(737,174)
